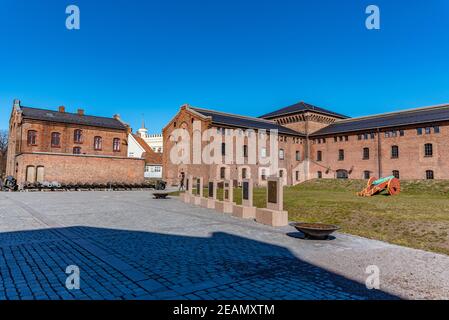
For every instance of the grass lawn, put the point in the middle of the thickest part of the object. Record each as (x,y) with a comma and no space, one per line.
(418,217)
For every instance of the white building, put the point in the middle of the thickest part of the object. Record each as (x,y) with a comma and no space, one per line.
(138,148)
(155,141)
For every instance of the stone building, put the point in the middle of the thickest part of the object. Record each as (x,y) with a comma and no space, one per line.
(314,142)
(47,145)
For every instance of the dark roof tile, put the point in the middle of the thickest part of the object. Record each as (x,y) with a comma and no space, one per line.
(233,120)
(301,107)
(73,118)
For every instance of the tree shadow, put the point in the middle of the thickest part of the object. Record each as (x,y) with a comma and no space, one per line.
(123,264)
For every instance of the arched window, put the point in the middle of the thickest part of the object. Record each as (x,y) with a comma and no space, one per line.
(366,174)
(263,174)
(32,137)
(342,174)
(55,139)
(97,143)
(116,145)
(428,150)
(76,150)
(396,174)
(78,136)
(429,174)
(222,173)
(394,152)
(281,154)
(244,173)
(365,153)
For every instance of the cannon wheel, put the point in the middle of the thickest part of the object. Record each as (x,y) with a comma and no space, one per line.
(394,187)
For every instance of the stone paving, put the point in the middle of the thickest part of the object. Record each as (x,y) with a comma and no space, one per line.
(130,246)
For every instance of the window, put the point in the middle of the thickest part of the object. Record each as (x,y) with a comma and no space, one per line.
(387,134)
(245,151)
(335,139)
(77,136)
(32,137)
(222,172)
(365,136)
(428,130)
(281,173)
(319,156)
(263,152)
(419,131)
(429,174)
(319,175)
(372,135)
(76,150)
(401,133)
(436,129)
(263,174)
(341,155)
(281,154)
(174,124)
(342,174)
(116,144)
(365,153)
(366,175)
(55,139)
(396,174)
(297,175)
(394,133)
(346,138)
(341,138)
(428,150)
(157,169)
(223,149)
(359,137)
(244,173)
(97,143)
(394,152)
(298,156)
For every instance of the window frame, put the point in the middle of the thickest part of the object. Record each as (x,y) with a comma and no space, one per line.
(428,147)
(395,152)
(341,155)
(78,136)
(116,144)
(32,137)
(430,175)
(55,137)
(365,153)
(98,143)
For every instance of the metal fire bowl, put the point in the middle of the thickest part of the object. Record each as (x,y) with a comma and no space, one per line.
(316,230)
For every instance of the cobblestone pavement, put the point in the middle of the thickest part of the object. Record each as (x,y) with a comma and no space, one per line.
(130,246)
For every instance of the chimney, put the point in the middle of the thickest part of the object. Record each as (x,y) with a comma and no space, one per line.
(116,116)
(80,112)
(61,109)
(16,104)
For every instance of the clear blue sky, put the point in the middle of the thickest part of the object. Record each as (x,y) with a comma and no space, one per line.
(242,56)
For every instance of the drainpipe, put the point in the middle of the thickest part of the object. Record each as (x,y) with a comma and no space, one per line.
(307,153)
(379,156)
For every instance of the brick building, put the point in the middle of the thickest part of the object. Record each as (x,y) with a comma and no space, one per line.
(317,143)
(46,145)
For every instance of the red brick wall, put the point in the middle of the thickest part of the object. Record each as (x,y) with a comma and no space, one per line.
(83,169)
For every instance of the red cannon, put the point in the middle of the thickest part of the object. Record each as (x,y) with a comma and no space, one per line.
(391,184)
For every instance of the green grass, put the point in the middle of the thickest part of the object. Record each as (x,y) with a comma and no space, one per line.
(418,217)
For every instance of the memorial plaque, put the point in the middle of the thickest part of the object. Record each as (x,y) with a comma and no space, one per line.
(211,189)
(272,192)
(198,187)
(245,186)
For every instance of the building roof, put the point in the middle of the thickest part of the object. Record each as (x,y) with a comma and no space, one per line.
(301,107)
(149,155)
(233,120)
(387,120)
(74,118)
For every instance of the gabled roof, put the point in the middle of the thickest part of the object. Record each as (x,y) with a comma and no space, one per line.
(301,107)
(149,155)
(387,120)
(73,118)
(233,120)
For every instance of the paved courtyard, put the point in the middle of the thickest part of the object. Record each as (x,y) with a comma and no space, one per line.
(129,246)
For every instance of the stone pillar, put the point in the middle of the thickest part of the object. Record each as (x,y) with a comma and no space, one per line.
(246,210)
(199,191)
(212,195)
(273,215)
(228,196)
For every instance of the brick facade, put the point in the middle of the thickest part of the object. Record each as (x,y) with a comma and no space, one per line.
(365,152)
(97,154)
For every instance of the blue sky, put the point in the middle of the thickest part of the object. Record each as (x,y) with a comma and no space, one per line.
(242,56)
